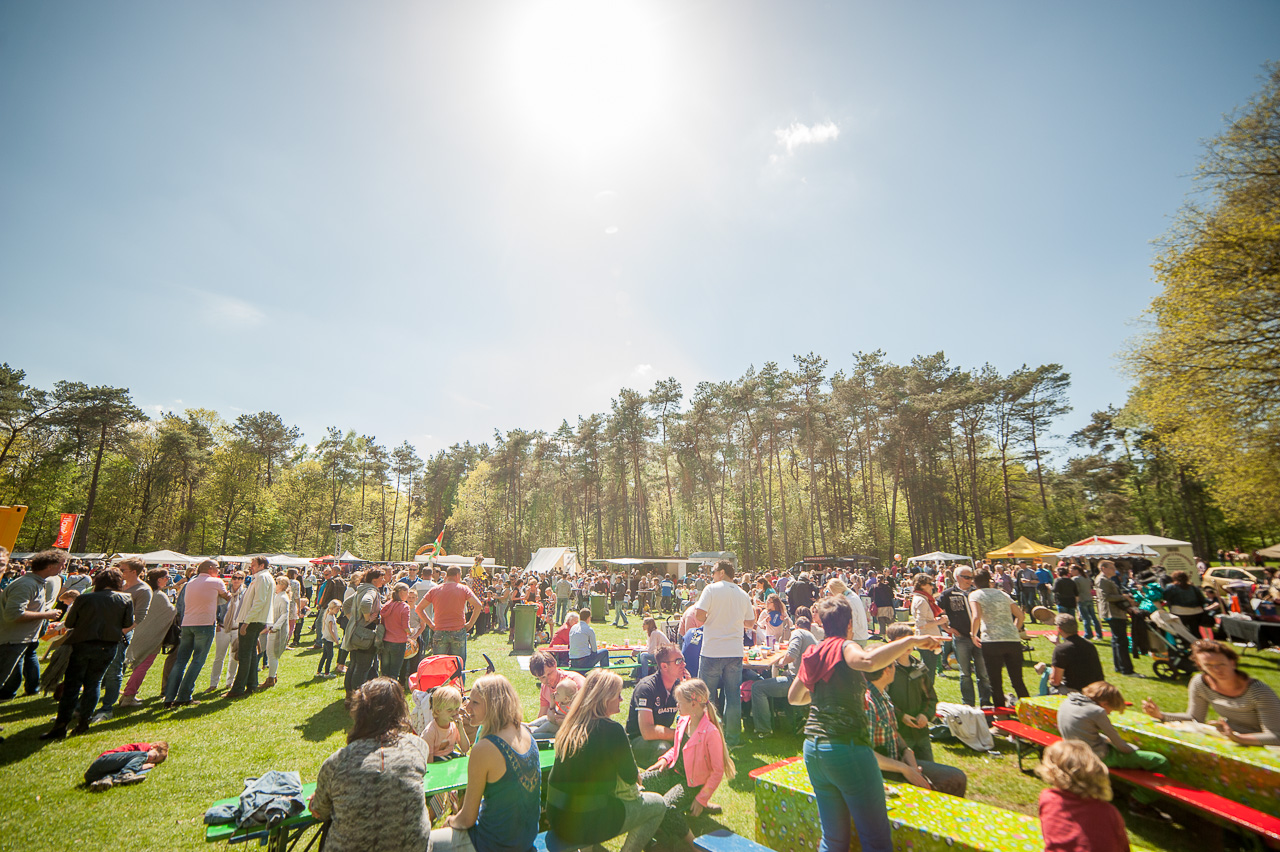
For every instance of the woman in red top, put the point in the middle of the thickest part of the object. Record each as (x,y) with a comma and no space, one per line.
(395,635)
(1076,814)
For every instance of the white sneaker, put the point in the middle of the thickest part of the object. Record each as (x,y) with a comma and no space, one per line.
(100,716)
(129,701)
(100,785)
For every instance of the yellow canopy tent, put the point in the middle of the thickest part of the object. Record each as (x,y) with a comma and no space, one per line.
(1023,548)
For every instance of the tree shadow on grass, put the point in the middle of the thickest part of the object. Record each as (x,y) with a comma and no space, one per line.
(325,723)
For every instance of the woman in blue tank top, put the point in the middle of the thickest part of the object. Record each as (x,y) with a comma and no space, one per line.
(503,801)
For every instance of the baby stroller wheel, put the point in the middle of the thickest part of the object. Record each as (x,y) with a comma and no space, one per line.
(1164,670)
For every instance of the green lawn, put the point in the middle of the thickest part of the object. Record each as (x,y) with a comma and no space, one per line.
(300,722)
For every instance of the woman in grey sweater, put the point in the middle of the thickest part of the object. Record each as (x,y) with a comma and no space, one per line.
(1249,710)
(371,791)
(1084,716)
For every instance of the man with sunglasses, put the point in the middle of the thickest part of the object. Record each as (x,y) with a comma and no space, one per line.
(651,719)
(955,603)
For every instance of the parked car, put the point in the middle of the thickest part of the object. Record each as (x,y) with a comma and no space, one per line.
(1220,576)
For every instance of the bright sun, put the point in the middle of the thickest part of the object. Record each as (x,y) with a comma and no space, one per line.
(584,72)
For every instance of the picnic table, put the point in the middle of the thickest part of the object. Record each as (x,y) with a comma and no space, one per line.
(921,820)
(757,659)
(1249,775)
(276,838)
(451,775)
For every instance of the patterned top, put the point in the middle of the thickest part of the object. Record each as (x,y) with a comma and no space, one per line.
(884,723)
(373,794)
(997,615)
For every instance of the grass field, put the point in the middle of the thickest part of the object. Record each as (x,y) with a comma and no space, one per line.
(296,725)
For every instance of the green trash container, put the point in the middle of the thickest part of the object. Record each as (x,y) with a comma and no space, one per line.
(524,623)
(599,608)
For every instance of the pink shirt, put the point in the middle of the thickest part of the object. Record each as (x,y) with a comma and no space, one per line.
(449,601)
(200,601)
(547,695)
(441,740)
(395,618)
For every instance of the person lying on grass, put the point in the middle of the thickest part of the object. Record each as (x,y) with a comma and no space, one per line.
(127,764)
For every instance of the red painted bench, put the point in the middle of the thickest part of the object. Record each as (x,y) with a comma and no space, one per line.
(1209,804)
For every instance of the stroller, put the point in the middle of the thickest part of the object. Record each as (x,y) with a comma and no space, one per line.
(434,672)
(1169,642)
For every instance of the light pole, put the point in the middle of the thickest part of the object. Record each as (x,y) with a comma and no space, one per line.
(338,530)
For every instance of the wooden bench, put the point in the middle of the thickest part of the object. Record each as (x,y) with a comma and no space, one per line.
(1216,808)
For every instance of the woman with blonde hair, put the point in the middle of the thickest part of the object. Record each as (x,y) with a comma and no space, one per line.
(689,773)
(593,793)
(503,802)
(1076,814)
(276,637)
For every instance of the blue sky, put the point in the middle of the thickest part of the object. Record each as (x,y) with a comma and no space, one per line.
(426,221)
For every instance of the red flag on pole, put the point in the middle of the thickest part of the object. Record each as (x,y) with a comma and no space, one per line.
(440,539)
(66,529)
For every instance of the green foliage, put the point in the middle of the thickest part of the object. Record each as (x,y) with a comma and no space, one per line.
(1208,370)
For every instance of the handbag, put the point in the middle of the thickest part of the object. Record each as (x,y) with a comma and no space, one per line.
(171,637)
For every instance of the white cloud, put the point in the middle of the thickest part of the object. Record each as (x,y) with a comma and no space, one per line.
(797,135)
(643,370)
(226,310)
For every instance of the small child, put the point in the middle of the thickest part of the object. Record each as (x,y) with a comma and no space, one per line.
(1076,814)
(57,630)
(127,764)
(444,735)
(328,637)
(566,691)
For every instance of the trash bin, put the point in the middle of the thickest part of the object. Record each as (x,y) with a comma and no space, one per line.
(524,623)
(599,608)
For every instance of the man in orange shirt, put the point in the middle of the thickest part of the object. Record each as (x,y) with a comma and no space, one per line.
(450,600)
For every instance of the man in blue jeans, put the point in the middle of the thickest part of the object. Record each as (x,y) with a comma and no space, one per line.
(955,603)
(200,615)
(1115,608)
(723,611)
(1084,602)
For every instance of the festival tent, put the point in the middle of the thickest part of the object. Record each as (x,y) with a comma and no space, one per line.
(1272,552)
(1088,550)
(347,556)
(940,556)
(286,561)
(1022,548)
(160,557)
(554,559)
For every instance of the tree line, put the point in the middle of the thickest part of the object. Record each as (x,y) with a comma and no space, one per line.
(877,458)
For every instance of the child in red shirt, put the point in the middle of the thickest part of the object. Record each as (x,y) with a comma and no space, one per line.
(1076,814)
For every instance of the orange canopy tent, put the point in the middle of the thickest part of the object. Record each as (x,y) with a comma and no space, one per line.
(1022,548)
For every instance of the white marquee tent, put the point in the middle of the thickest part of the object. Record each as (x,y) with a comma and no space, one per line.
(940,556)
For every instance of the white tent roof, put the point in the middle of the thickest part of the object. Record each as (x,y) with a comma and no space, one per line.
(1149,540)
(551,559)
(1127,549)
(940,556)
(162,557)
(286,561)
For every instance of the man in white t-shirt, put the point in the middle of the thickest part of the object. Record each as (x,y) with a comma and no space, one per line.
(724,610)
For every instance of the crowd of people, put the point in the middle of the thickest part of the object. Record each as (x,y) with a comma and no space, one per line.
(837,644)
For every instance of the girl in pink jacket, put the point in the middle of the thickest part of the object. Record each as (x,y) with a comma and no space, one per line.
(689,773)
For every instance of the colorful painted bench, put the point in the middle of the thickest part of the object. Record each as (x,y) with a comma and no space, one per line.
(1206,804)
(922,820)
(1249,775)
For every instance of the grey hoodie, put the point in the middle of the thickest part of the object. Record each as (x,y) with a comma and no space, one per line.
(1080,718)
